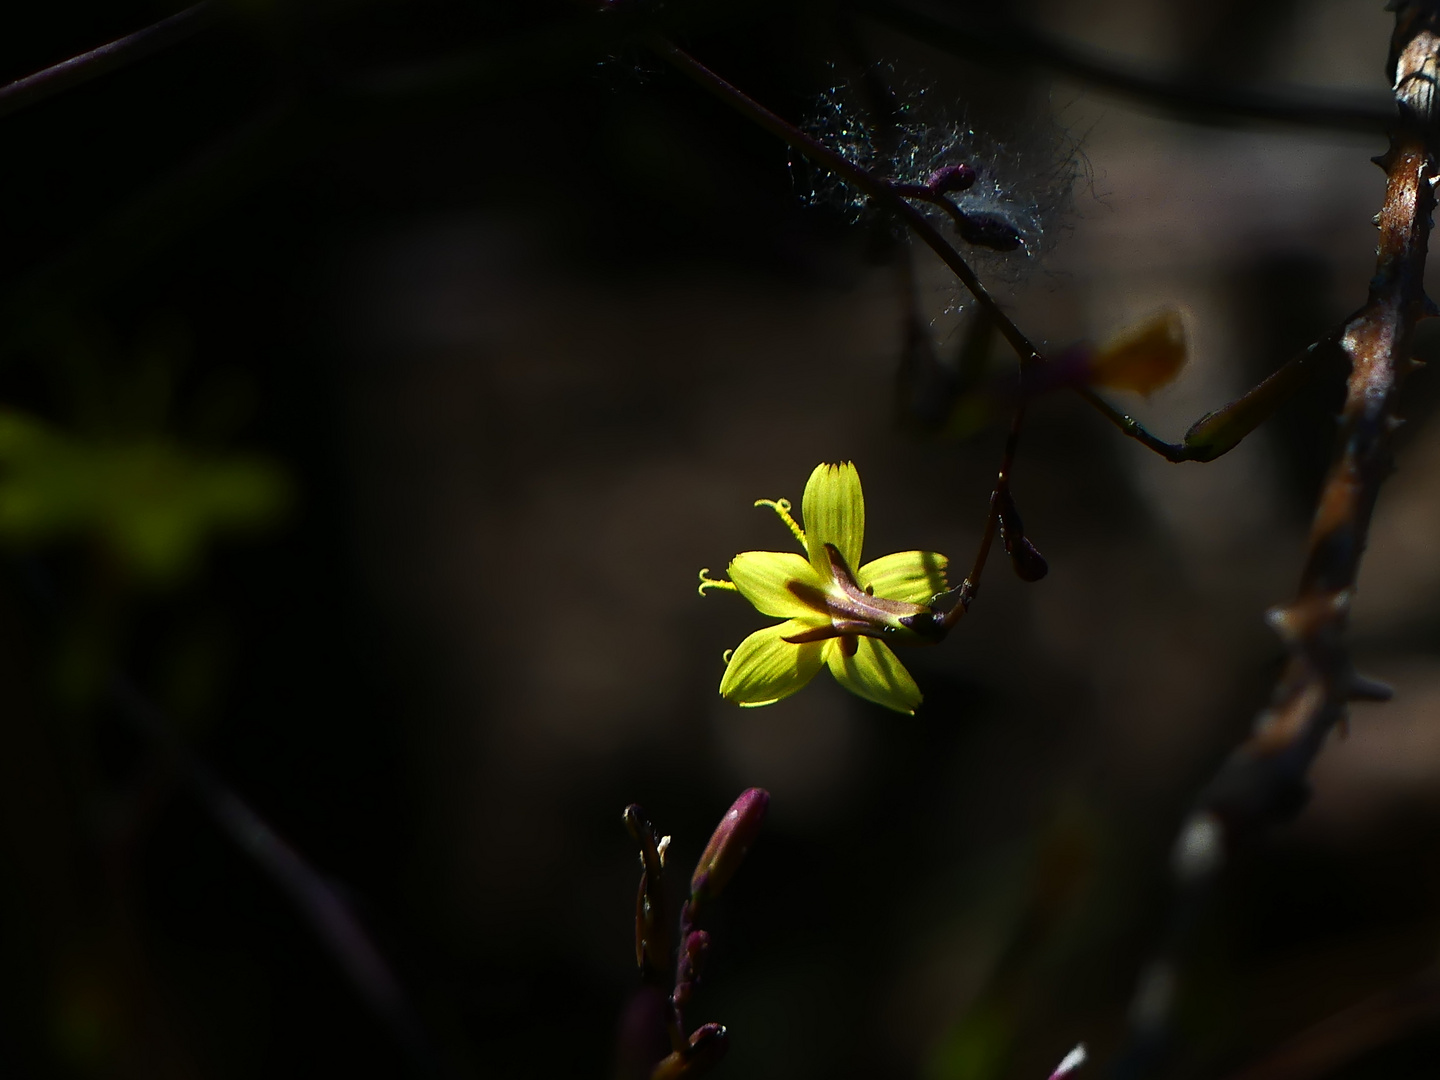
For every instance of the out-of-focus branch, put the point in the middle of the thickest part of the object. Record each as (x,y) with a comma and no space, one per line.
(314,898)
(106,58)
(1265,779)
(1340,1039)
(1006,41)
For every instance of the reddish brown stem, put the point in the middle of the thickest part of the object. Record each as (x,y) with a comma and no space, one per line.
(970,587)
(875,187)
(106,58)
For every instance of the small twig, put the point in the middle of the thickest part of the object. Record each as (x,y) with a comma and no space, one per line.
(968,589)
(1219,432)
(1010,42)
(112,56)
(1213,435)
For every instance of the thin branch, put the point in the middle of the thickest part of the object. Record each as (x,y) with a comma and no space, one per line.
(1353,1032)
(873,186)
(1264,780)
(35,88)
(315,899)
(1219,432)
(1009,42)
(1213,435)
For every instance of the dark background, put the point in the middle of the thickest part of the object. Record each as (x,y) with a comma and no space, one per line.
(529,322)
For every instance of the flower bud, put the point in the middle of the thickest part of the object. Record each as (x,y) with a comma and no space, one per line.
(651,941)
(707,1046)
(989,230)
(692,963)
(729,843)
(951,178)
(1029,564)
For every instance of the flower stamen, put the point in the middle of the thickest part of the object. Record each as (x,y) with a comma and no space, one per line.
(714,583)
(782,508)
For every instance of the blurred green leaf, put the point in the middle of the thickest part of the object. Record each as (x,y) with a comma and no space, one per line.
(151,502)
(977,1048)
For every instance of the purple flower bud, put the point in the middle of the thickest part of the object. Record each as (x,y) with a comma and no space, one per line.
(692,963)
(1029,564)
(951,178)
(707,1047)
(729,843)
(991,231)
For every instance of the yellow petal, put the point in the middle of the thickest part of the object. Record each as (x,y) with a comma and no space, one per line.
(1143,360)
(912,576)
(765,669)
(874,674)
(762,576)
(834,512)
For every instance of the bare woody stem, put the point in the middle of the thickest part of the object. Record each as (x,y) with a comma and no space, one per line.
(1264,779)
(1318,682)
(970,587)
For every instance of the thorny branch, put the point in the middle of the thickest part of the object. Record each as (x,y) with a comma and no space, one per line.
(1264,779)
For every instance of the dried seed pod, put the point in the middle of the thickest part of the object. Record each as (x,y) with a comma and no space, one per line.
(651,940)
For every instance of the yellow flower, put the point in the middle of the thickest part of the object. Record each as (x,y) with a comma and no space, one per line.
(835,617)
